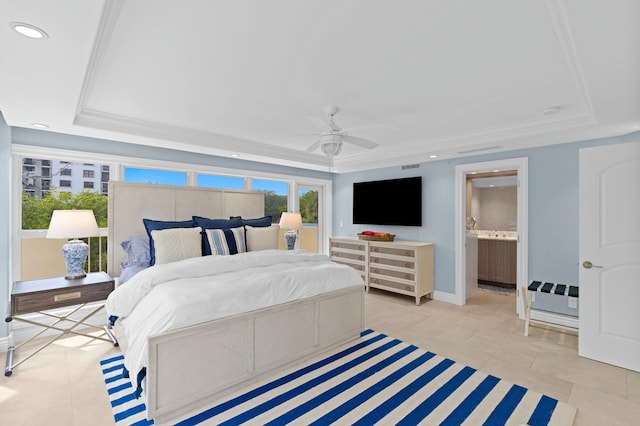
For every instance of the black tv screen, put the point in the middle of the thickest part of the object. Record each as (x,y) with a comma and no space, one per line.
(388,202)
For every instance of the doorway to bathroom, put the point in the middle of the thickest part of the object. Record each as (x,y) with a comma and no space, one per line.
(512,238)
(492,232)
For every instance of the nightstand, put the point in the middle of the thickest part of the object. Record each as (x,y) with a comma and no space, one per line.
(46,297)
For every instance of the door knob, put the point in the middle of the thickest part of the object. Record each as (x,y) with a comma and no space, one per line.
(588,265)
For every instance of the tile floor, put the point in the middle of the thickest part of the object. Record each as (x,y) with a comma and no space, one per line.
(62,385)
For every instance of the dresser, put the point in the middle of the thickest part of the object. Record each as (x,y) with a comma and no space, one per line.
(404,267)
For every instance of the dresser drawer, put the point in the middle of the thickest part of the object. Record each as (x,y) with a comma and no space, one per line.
(59,298)
(347,256)
(405,275)
(357,266)
(389,284)
(400,263)
(396,251)
(348,245)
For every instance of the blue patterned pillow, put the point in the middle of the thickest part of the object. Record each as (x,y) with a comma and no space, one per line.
(157,225)
(138,252)
(206,223)
(226,241)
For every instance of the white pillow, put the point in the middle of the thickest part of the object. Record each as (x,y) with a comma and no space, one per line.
(175,244)
(262,238)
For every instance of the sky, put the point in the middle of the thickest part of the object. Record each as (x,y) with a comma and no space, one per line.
(165,177)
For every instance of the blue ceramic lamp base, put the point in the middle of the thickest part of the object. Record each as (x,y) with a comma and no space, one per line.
(290,239)
(75,253)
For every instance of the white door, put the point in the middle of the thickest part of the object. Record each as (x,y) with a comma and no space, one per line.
(610,254)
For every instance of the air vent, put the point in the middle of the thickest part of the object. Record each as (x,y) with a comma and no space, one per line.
(411,166)
(469,151)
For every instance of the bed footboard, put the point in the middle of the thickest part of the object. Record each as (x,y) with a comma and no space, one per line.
(193,366)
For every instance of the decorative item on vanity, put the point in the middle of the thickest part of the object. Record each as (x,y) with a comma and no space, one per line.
(292,222)
(73,224)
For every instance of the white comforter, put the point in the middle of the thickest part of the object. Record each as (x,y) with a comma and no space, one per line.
(191,291)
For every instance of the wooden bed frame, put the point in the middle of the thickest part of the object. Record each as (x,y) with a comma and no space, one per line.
(191,367)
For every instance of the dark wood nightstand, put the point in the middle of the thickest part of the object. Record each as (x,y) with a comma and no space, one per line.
(44,295)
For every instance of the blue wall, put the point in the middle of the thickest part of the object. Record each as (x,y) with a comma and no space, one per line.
(553,212)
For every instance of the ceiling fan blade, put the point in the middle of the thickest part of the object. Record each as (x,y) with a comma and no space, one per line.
(291,137)
(314,146)
(321,124)
(364,143)
(383,127)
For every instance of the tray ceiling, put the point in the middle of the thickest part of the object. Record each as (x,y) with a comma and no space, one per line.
(421,78)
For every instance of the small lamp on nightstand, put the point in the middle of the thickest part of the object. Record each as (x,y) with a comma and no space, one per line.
(291,222)
(73,224)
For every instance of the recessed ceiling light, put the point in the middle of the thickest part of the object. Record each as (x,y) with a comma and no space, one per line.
(28,30)
(496,171)
(433,156)
(40,125)
(235,155)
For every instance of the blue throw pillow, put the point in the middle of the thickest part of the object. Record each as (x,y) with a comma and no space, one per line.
(226,241)
(156,225)
(256,223)
(206,223)
(138,251)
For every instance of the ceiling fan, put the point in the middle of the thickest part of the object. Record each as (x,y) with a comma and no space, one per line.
(332,136)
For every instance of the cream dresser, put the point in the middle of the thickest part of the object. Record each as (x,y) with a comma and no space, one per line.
(404,267)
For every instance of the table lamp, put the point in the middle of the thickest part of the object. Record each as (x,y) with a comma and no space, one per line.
(73,224)
(291,222)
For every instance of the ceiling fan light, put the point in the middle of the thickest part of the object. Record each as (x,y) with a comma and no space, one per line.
(331,144)
(331,148)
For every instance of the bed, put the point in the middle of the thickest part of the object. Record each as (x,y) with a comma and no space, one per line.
(270,313)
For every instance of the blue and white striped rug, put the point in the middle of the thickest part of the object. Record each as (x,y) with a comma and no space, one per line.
(374,380)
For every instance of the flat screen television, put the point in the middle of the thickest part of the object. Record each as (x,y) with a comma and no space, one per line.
(388,202)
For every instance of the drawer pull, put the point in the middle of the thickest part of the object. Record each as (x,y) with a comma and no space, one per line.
(67,296)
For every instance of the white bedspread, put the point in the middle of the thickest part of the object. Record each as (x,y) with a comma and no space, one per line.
(191,291)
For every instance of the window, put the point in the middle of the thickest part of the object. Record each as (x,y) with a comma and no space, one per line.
(65,183)
(163,177)
(65,171)
(275,197)
(218,181)
(87,173)
(88,185)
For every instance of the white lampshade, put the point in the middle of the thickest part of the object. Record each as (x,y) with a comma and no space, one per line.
(72,224)
(291,221)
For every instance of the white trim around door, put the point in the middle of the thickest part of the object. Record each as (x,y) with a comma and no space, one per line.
(521,165)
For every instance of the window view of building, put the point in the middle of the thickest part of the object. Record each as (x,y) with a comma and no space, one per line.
(49,185)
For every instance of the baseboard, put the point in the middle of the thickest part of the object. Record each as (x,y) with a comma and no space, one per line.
(441,296)
(554,319)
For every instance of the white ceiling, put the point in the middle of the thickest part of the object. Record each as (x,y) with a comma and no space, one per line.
(445,77)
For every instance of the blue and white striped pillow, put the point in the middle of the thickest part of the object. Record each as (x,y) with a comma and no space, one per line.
(226,241)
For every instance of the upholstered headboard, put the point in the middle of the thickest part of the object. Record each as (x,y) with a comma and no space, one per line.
(129,203)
